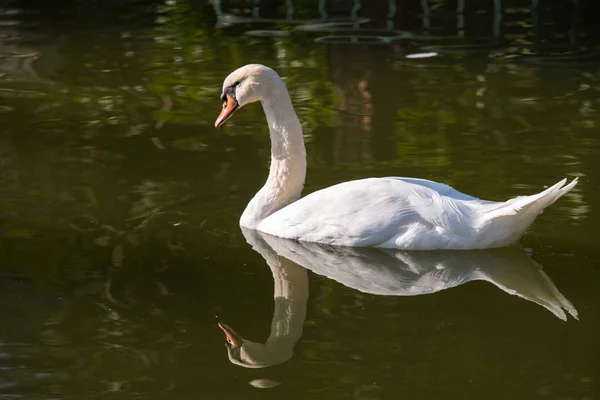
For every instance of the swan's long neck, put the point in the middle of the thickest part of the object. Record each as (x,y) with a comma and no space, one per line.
(288,159)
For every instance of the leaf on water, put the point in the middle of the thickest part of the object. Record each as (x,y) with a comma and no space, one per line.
(264,383)
(422,55)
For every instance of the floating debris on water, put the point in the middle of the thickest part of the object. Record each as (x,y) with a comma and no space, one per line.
(422,55)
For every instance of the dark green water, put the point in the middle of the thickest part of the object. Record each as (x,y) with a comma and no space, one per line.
(119,241)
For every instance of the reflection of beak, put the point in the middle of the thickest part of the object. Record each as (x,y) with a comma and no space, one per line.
(233,338)
(229,107)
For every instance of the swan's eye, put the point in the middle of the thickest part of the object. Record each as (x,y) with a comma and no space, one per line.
(237,83)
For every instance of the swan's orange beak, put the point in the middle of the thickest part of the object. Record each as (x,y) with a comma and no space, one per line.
(233,338)
(229,107)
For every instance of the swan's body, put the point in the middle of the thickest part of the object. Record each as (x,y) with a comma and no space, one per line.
(400,213)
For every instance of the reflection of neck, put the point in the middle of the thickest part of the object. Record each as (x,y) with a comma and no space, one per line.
(291,294)
(290,297)
(288,160)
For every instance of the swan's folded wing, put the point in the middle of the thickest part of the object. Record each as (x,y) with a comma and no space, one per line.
(370,212)
(440,188)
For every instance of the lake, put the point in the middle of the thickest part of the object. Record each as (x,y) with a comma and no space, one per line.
(124,272)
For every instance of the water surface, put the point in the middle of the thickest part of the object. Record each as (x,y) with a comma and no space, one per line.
(120,249)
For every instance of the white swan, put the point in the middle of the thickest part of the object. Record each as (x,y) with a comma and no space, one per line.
(401,213)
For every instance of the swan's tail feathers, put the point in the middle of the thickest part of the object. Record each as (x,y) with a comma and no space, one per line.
(528,207)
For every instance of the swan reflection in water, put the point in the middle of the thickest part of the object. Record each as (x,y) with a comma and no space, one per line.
(380,272)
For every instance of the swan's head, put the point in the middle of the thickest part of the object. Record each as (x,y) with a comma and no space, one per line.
(247,84)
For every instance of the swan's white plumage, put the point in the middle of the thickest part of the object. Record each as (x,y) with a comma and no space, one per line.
(408,214)
(402,213)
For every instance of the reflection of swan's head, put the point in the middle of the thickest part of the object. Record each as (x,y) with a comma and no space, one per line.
(249,354)
(250,83)
(234,340)
(236,347)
